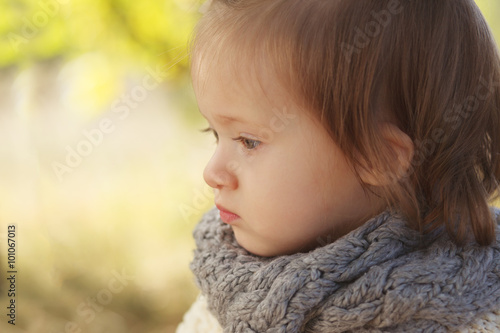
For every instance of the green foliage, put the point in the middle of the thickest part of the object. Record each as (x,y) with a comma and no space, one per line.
(42,30)
(491,10)
(34,31)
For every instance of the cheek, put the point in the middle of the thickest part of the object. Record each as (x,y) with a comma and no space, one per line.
(284,186)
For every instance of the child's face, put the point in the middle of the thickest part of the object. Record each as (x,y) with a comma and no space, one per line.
(277,170)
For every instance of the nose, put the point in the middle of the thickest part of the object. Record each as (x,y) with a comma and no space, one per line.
(220,172)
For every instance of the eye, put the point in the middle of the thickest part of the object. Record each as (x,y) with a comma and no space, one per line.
(209,129)
(248,143)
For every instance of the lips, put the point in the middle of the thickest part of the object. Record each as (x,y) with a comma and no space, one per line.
(227,216)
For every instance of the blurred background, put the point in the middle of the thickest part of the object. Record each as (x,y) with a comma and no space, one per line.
(101,163)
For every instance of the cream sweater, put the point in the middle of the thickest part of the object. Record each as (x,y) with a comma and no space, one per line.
(199,320)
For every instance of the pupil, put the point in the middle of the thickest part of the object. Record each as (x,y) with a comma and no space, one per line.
(249,143)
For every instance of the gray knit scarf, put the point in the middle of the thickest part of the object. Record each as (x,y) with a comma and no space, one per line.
(382,277)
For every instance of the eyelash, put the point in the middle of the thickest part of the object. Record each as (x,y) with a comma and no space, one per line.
(208,130)
(249,144)
(245,141)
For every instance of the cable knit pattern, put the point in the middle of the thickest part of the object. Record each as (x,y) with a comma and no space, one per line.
(485,324)
(199,320)
(382,277)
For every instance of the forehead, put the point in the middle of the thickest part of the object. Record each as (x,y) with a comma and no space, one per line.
(238,80)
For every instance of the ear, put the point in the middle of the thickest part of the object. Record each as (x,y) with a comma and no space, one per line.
(400,152)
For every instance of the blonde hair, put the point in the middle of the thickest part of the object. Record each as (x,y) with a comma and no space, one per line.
(431,67)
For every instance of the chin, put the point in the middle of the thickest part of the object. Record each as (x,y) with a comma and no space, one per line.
(265,249)
(259,251)
(255,249)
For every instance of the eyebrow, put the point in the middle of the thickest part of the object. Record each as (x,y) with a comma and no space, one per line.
(230,119)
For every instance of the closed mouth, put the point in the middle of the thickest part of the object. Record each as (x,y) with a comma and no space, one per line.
(227,216)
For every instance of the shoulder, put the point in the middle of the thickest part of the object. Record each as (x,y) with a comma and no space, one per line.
(198,319)
(485,324)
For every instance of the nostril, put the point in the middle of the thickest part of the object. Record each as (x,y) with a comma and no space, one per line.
(221,172)
(216,178)
(210,179)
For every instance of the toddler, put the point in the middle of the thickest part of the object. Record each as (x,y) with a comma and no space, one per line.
(357,154)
